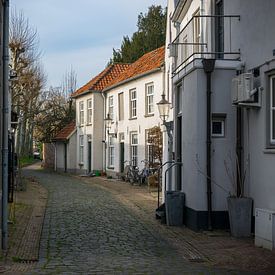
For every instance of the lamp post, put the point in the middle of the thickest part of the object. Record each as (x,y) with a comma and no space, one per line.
(164,109)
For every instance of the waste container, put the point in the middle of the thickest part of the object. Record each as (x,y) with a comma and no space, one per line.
(97,173)
(174,204)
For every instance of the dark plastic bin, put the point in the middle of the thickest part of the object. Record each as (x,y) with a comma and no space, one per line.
(175,201)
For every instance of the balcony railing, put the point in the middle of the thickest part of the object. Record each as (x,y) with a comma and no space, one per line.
(206,36)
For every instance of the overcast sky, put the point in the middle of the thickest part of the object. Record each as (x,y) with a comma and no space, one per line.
(80,33)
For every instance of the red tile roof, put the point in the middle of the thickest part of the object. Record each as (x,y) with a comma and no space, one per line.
(65,132)
(116,73)
(102,80)
(147,63)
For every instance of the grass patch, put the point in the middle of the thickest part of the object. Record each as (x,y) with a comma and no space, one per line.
(16,259)
(24,161)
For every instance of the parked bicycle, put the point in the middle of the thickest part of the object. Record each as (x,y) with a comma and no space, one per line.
(132,173)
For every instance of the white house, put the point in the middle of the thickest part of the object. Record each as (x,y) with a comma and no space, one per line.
(90,120)
(131,103)
(210,42)
(65,149)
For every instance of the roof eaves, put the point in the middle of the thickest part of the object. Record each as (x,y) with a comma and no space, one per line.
(69,136)
(81,94)
(132,78)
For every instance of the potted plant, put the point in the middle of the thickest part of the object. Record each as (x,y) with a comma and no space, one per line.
(239,206)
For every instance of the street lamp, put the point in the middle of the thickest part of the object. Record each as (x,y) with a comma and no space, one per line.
(164,108)
(108,122)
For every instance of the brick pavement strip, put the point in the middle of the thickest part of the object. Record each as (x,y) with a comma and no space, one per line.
(25,233)
(93,226)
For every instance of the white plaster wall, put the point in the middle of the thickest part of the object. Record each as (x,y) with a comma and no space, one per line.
(142,122)
(60,159)
(252,35)
(95,130)
(98,132)
(194,138)
(72,153)
(256,40)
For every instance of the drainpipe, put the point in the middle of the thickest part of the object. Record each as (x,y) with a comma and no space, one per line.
(104,131)
(208,66)
(5,122)
(239,151)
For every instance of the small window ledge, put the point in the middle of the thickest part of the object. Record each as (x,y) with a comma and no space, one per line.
(269,151)
(132,118)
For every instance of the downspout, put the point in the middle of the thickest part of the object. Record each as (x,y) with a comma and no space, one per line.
(239,150)
(208,66)
(5,134)
(104,132)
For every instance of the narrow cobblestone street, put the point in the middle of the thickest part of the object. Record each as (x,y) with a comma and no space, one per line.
(88,231)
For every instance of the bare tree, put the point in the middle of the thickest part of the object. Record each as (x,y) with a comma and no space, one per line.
(29,78)
(69,82)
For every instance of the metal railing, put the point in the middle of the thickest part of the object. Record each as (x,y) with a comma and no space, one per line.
(205,36)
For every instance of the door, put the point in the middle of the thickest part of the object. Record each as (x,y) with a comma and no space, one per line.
(121,157)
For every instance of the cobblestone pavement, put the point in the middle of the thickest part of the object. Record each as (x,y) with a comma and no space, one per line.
(88,231)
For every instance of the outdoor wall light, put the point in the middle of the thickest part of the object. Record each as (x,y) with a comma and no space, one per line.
(164,109)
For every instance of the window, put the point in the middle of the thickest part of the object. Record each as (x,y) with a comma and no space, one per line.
(149,99)
(111,107)
(81,149)
(89,111)
(81,112)
(133,103)
(196,30)
(178,94)
(272,110)
(134,148)
(218,125)
(111,151)
(120,106)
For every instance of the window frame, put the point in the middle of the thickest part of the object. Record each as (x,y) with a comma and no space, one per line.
(121,106)
(133,103)
(81,149)
(149,97)
(111,152)
(89,111)
(81,113)
(134,149)
(271,110)
(111,106)
(218,118)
